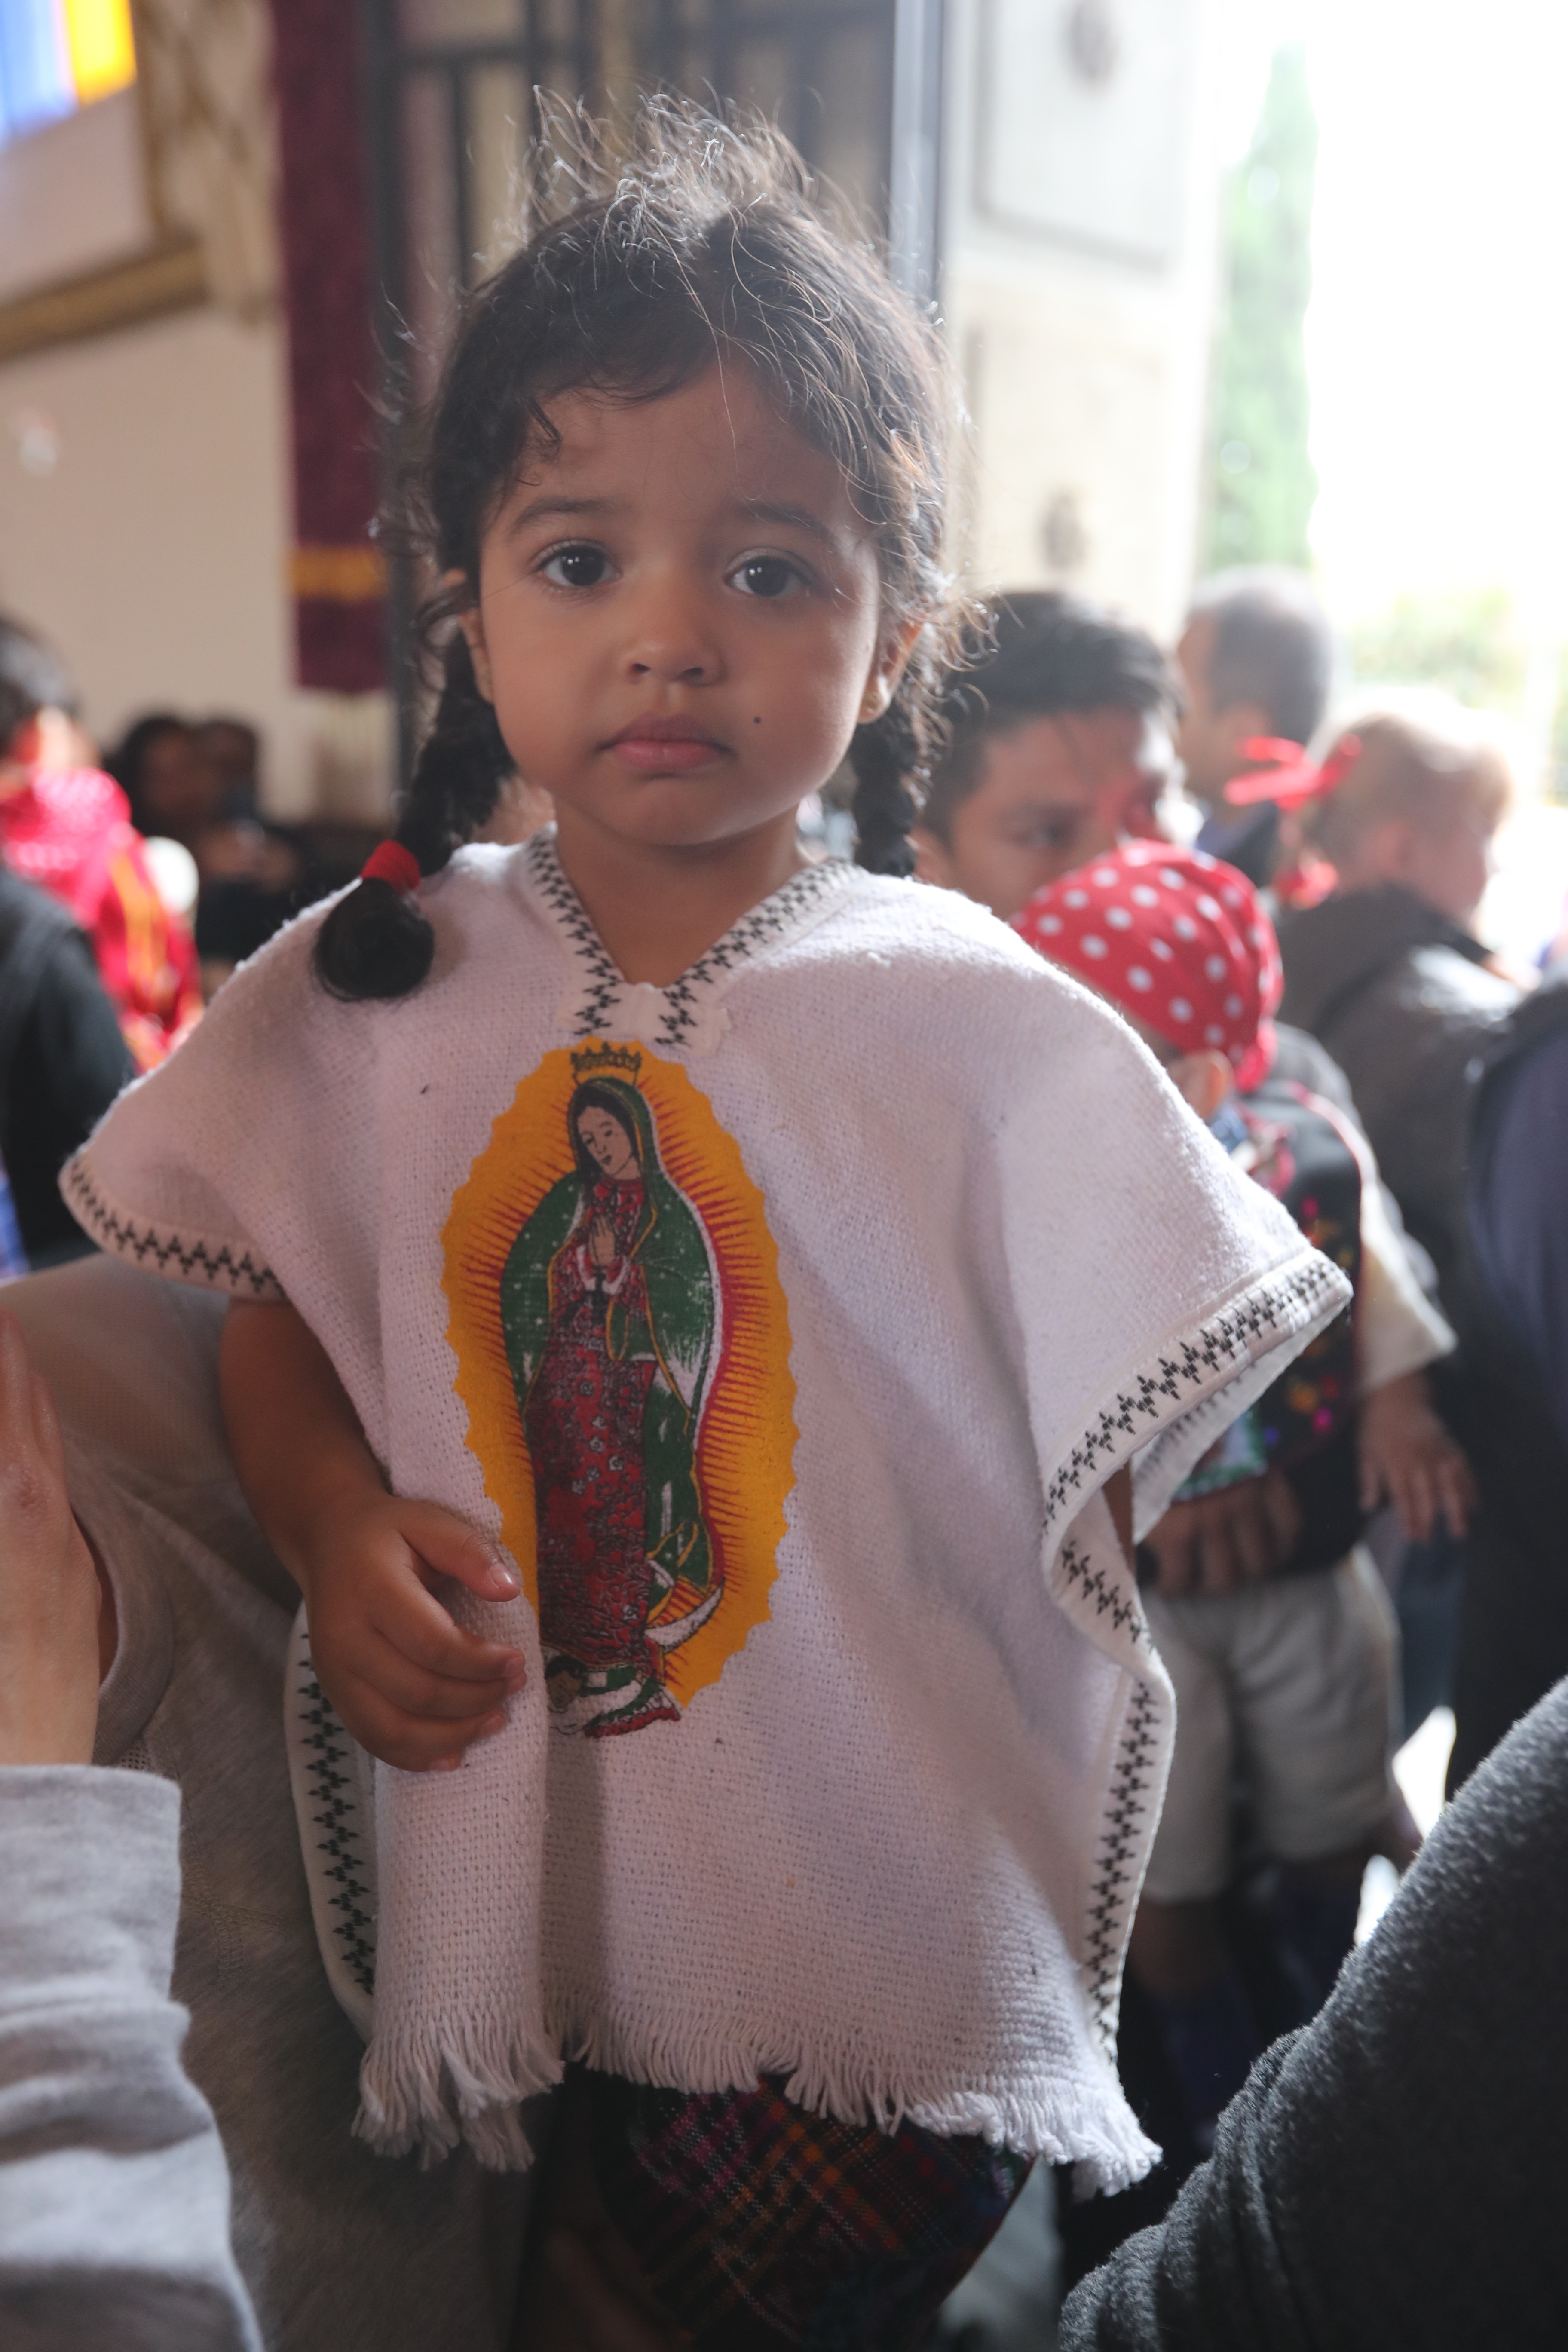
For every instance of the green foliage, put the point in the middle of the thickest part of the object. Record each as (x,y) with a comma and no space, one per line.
(1263,482)
(1466,640)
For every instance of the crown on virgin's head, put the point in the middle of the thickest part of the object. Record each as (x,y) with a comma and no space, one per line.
(600,1061)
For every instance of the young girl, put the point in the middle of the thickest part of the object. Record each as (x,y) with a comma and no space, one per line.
(760,1348)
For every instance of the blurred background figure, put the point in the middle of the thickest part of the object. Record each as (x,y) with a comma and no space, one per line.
(69,830)
(1387,974)
(1257,657)
(63,1059)
(1059,746)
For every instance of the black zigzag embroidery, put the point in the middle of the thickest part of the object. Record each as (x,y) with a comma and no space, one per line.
(165,1251)
(334,1810)
(603,983)
(1273,1306)
(1111,1596)
(1121,1832)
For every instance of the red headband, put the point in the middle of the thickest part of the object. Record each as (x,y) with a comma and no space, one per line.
(390,862)
(1292,778)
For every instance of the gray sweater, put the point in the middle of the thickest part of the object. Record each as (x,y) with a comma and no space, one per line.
(113,2192)
(341,2250)
(1392,2176)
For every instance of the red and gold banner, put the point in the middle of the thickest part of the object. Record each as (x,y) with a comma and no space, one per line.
(324,219)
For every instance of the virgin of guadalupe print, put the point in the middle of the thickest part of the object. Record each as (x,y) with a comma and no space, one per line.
(623,1348)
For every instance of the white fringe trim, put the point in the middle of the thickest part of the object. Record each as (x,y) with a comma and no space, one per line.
(438,2091)
(437,2087)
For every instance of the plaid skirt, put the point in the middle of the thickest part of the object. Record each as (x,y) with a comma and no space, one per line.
(756,2223)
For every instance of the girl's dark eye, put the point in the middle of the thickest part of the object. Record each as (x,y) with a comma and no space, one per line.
(765,575)
(577,567)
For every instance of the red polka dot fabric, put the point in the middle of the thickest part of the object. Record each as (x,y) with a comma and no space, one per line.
(1177,940)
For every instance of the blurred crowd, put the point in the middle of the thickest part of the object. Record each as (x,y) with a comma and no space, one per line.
(1281,893)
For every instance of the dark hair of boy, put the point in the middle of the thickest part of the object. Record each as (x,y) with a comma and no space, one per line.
(1043,653)
(701,243)
(1258,657)
(128,762)
(31,679)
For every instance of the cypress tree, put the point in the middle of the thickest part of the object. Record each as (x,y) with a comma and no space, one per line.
(1263,482)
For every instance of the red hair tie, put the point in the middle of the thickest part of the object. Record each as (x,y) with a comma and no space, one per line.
(1292,778)
(390,862)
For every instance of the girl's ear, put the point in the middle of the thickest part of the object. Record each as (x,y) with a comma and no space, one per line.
(892,659)
(933,859)
(471,622)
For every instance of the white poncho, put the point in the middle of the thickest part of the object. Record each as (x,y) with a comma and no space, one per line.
(784,1326)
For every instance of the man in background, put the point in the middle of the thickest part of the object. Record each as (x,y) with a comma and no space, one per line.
(1257,657)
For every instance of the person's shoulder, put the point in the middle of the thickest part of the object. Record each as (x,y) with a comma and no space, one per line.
(916,923)
(25,908)
(949,981)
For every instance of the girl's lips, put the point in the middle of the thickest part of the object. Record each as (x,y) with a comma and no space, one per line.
(664,755)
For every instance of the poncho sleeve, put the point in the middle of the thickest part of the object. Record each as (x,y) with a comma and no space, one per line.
(1158,1290)
(248,1163)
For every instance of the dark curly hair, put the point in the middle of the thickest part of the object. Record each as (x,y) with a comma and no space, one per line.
(703,241)
(1040,652)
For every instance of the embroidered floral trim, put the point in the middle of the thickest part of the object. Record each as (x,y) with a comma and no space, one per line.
(1114,1596)
(1229,1340)
(332,1806)
(166,1251)
(805,898)
(1102,1594)
(1126,1824)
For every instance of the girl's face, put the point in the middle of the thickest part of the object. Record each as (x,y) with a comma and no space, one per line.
(1449,866)
(1452,868)
(679,619)
(608,1145)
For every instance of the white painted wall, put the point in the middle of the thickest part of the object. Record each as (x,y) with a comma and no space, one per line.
(1080,303)
(153,551)
(73,196)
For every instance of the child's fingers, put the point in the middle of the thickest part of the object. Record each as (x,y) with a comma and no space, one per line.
(1457,1489)
(450,1547)
(440,1696)
(406,1741)
(415,1622)
(1220,1561)
(1414,1500)
(1283,1513)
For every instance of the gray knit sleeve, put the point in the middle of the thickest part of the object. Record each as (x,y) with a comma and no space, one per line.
(114,2196)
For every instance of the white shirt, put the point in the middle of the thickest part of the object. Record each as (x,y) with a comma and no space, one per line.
(966,1253)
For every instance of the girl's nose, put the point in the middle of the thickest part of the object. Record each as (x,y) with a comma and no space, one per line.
(671,639)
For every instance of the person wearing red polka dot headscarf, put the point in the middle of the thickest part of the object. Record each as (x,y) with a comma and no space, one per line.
(1180,944)
(1265,1607)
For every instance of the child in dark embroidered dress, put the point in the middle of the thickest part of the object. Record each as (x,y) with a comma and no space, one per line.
(637,1197)
(1267,1613)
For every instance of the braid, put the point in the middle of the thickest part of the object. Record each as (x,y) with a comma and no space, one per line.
(889,759)
(376,942)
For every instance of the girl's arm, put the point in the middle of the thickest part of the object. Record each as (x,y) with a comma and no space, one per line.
(410,1685)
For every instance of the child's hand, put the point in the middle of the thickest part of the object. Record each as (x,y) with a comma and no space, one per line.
(1409,1458)
(1215,1542)
(48,1587)
(410,1685)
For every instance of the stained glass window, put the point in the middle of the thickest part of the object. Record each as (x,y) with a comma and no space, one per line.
(58,54)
